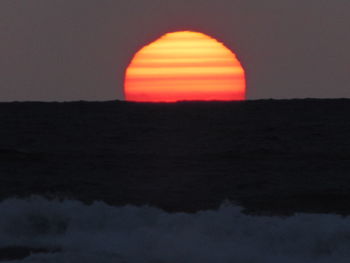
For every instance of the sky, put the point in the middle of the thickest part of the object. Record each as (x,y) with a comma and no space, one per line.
(64,50)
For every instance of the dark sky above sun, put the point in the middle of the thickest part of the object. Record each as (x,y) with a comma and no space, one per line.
(62,50)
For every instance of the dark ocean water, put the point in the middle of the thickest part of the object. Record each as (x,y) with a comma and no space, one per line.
(147,182)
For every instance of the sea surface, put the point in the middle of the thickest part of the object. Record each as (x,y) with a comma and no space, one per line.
(241,182)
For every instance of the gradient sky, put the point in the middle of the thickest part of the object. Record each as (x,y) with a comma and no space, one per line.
(61,50)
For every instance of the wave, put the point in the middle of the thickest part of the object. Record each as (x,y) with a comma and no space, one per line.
(102,233)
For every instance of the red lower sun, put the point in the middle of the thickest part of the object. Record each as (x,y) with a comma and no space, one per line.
(184,65)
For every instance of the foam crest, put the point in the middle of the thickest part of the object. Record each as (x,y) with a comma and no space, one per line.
(102,233)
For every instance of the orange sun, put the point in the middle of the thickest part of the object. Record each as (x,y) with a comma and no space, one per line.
(184,65)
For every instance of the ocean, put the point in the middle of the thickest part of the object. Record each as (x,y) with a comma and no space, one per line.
(70,231)
(241,182)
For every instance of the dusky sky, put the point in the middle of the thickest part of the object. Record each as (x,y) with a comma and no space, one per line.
(63,50)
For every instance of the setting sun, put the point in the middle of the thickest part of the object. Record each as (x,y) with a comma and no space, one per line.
(184,65)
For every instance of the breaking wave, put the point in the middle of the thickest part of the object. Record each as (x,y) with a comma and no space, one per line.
(102,233)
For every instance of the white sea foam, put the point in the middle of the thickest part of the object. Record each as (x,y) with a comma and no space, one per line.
(101,233)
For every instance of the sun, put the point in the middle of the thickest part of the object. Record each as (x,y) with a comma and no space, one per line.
(184,65)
